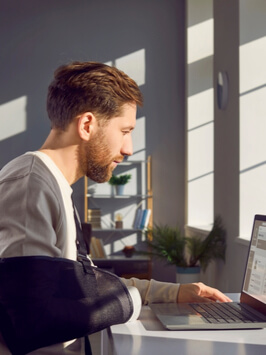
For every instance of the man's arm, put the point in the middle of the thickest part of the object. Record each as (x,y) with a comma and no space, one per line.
(199,292)
(153,291)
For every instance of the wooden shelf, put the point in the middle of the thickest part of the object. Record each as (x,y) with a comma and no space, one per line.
(142,185)
(119,230)
(118,196)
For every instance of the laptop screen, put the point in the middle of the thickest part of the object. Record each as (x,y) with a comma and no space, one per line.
(255,277)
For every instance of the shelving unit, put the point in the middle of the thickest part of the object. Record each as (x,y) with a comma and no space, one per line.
(138,194)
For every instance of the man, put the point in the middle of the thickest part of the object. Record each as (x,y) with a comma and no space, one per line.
(92,109)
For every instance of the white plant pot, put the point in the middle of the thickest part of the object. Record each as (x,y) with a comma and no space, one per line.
(187,275)
(119,189)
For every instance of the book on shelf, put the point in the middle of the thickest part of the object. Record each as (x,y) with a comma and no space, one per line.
(94,217)
(137,218)
(142,218)
(97,248)
(145,218)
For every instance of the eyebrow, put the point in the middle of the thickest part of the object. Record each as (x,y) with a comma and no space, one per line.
(130,128)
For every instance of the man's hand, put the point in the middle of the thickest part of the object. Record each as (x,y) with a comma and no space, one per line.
(198,292)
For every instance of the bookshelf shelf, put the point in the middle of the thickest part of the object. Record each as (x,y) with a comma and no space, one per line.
(118,196)
(117,230)
(141,196)
(103,205)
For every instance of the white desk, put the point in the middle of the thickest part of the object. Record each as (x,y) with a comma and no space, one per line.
(146,336)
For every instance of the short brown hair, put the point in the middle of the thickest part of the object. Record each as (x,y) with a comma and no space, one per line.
(89,86)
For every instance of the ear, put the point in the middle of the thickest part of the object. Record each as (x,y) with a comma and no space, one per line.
(86,123)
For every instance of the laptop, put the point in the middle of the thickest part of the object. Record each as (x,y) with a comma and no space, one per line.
(249,313)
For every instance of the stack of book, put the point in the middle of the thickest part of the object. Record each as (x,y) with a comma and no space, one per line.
(142,218)
(94,217)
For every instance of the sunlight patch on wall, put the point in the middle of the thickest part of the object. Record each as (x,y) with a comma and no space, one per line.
(197,47)
(139,139)
(13,117)
(133,64)
(200,194)
(200,175)
(200,142)
(252,64)
(200,92)
(252,128)
(200,108)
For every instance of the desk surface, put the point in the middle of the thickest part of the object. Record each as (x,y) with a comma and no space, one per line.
(147,336)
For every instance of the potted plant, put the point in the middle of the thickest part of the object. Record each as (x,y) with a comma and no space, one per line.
(119,181)
(188,254)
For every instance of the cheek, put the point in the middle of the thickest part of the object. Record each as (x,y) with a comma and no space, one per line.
(114,143)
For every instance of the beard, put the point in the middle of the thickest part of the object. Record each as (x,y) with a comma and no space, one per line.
(96,159)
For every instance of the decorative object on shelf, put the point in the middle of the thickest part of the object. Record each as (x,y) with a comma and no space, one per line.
(94,217)
(129,250)
(119,181)
(118,221)
(169,243)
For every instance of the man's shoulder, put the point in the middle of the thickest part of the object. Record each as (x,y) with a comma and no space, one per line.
(27,166)
(21,166)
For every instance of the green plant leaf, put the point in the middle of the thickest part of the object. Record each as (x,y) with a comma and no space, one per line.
(119,179)
(214,245)
(169,244)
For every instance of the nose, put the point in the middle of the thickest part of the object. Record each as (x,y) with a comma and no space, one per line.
(127,147)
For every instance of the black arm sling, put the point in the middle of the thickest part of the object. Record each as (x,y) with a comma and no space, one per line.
(46,300)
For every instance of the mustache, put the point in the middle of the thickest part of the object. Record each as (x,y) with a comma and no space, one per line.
(119,158)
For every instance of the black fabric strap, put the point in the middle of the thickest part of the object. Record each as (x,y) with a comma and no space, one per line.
(87,346)
(80,242)
(81,256)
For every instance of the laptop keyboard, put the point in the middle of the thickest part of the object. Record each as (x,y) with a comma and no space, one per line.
(223,312)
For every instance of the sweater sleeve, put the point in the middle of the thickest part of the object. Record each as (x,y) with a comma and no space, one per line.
(152,291)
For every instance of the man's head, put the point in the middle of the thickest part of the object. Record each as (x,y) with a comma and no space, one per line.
(92,108)
(89,87)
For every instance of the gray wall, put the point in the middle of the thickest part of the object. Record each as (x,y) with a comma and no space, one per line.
(37,36)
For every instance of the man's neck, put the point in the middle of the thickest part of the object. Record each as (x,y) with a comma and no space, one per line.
(63,150)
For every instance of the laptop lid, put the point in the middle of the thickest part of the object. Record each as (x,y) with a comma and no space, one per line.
(254,284)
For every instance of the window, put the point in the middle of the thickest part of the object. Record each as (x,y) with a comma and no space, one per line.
(252,114)
(252,73)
